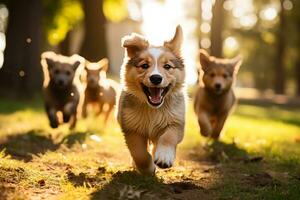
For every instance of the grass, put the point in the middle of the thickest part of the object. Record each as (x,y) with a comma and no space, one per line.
(258,157)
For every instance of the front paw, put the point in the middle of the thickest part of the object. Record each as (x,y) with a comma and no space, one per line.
(66,118)
(148,171)
(53,124)
(164,156)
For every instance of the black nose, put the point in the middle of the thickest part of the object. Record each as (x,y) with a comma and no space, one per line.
(60,82)
(218,86)
(156,79)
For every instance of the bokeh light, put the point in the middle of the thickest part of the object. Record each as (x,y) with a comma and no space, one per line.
(268,14)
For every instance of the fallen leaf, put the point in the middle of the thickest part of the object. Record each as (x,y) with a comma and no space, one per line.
(42,182)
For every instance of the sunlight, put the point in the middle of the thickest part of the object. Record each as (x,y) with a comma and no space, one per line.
(231,44)
(268,14)
(205,27)
(2,41)
(288,5)
(205,43)
(159,25)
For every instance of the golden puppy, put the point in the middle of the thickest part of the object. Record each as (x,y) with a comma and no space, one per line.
(61,87)
(99,89)
(151,106)
(214,101)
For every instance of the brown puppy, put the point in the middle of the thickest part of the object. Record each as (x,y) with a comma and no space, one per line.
(99,89)
(151,106)
(61,87)
(214,101)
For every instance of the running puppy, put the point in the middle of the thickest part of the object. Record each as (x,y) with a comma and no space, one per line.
(61,87)
(214,101)
(151,106)
(99,89)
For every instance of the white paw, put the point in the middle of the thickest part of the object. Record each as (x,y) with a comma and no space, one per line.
(164,156)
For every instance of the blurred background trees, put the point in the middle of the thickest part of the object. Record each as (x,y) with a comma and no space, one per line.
(265,32)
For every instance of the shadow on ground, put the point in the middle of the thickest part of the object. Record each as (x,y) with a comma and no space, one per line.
(74,137)
(217,151)
(26,145)
(131,185)
(237,171)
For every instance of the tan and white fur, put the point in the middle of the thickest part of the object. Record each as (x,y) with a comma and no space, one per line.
(100,91)
(61,88)
(151,106)
(215,98)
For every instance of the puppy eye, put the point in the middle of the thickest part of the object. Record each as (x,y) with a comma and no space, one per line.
(56,71)
(145,66)
(68,73)
(225,76)
(212,75)
(167,66)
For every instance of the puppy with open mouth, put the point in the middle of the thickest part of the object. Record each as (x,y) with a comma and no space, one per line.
(151,106)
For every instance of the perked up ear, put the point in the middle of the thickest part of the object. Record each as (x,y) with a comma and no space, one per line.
(77,61)
(205,59)
(76,65)
(50,62)
(175,43)
(47,58)
(103,64)
(134,43)
(235,63)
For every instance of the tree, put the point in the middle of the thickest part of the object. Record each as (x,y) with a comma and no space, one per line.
(217,28)
(21,72)
(279,79)
(94,45)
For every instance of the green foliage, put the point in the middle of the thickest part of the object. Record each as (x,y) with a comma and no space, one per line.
(61,16)
(115,10)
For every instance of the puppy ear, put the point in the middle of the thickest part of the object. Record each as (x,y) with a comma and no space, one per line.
(48,59)
(205,59)
(175,43)
(235,63)
(134,43)
(103,64)
(76,65)
(50,62)
(77,61)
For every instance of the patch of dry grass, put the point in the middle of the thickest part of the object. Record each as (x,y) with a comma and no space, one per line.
(258,157)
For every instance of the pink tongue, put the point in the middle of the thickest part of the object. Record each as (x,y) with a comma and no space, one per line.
(155,94)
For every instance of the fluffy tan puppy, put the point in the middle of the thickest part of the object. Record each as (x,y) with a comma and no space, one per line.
(99,90)
(151,107)
(214,100)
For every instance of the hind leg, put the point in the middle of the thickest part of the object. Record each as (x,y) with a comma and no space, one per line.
(107,114)
(73,121)
(100,108)
(68,111)
(84,109)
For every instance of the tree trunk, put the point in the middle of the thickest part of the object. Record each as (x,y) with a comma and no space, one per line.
(297,72)
(94,43)
(279,81)
(21,74)
(64,46)
(217,29)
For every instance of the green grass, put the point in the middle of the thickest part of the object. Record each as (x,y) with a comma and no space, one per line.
(258,157)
